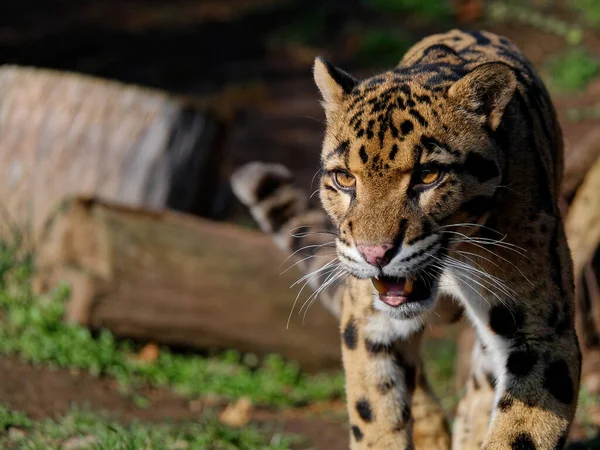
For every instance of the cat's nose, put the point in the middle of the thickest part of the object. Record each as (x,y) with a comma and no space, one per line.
(375,254)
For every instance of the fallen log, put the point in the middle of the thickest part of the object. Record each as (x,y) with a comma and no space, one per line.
(179,280)
(582,227)
(582,224)
(578,159)
(65,134)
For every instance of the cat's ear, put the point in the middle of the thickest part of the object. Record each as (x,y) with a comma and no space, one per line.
(333,83)
(486,91)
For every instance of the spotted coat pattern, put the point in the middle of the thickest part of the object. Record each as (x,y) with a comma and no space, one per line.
(487,235)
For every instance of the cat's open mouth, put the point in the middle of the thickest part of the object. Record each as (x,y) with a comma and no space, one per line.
(395,291)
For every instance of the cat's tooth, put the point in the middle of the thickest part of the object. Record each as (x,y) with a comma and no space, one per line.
(379,285)
(408,286)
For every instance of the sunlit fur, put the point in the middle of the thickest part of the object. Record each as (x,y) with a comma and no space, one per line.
(487,233)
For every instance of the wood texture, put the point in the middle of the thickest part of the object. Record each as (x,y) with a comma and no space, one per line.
(578,160)
(67,134)
(582,226)
(179,280)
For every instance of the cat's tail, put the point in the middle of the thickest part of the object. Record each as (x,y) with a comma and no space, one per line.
(282,211)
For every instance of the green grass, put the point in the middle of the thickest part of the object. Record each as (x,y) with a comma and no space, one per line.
(434,9)
(32,327)
(18,431)
(519,12)
(381,47)
(572,70)
(589,9)
(439,357)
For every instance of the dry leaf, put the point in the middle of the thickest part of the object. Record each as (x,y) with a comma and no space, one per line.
(237,414)
(468,11)
(149,353)
(80,443)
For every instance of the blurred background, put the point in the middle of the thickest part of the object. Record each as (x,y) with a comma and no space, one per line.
(139,305)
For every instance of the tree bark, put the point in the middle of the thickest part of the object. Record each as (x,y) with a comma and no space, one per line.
(175,279)
(65,134)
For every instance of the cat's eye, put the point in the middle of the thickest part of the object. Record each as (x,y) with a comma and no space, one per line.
(428,175)
(344,180)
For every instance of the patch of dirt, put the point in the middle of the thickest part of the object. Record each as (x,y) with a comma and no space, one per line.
(42,392)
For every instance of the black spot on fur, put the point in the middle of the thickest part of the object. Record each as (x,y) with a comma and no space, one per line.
(268,185)
(279,215)
(376,166)
(393,151)
(363,408)
(481,168)
(523,442)
(423,99)
(344,241)
(521,362)
(506,322)
(558,381)
(370,126)
(438,52)
(363,154)
(377,347)
(350,334)
(417,115)
(342,149)
(457,316)
(406,127)
(357,433)
(505,403)
(386,386)
(393,130)
(480,38)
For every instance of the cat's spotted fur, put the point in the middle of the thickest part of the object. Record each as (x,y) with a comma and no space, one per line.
(468,111)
